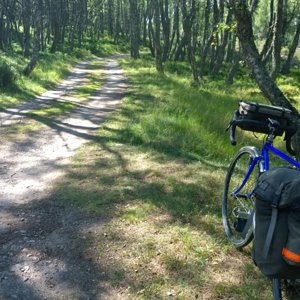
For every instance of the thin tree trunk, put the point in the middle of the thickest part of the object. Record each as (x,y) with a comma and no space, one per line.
(175,30)
(37,40)
(188,19)
(150,28)
(277,40)
(234,68)
(158,54)
(221,52)
(26,27)
(287,65)
(134,29)
(268,42)
(165,20)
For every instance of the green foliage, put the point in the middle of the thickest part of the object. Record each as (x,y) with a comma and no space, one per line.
(81,53)
(261,19)
(106,46)
(7,74)
(180,119)
(50,70)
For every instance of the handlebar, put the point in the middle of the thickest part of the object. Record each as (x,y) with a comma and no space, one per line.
(232,127)
(270,125)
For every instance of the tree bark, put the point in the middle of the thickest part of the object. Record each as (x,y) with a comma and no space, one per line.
(187,23)
(37,40)
(245,34)
(134,29)
(175,30)
(287,65)
(269,37)
(221,49)
(277,40)
(26,27)
(233,69)
(158,54)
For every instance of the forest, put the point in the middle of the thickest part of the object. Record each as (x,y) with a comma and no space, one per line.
(113,144)
(200,32)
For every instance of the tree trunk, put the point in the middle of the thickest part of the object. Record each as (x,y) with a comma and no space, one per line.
(37,40)
(252,57)
(269,37)
(26,27)
(175,29)
(264,81)
(158,54)
(2,30)
(234,68)
(277,40)
(187,23)
(221,49)
(165,21)
(207,39)
(110,17)
(55,21)
(134,29)
(150,28)
(292,50)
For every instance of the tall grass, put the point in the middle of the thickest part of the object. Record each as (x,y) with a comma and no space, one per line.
(179,119)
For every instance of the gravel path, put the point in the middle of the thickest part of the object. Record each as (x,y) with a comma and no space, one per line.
(42,250)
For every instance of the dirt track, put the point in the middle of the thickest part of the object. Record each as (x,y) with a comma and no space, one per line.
(44,244)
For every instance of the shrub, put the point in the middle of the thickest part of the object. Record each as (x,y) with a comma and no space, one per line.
(81,53)
(7,74)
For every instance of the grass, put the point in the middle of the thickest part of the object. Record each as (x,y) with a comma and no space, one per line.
(55,107)
(155,175)
(50,70)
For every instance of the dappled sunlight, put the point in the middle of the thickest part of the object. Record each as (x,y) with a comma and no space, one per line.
(153,244)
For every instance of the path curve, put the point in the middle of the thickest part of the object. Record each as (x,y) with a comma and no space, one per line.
(29,166)
(42,242)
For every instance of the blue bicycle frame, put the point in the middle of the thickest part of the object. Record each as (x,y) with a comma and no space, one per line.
(265,154)
(264,163)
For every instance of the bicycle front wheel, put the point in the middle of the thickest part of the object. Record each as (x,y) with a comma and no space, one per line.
(238,198)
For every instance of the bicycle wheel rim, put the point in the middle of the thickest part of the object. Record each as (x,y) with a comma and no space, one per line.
(237,208)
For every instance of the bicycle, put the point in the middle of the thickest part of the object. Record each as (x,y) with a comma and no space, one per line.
(238,199)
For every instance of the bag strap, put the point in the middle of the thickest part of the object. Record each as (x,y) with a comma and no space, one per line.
(270,233)
(269,237)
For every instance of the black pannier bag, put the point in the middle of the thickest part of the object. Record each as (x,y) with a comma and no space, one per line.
(258,115)
(276,246)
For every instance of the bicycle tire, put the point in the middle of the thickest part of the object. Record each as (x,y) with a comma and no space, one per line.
(238,208)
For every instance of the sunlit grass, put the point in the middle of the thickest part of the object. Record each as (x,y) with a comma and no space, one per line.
(55,109)
(163,235)
(50,70)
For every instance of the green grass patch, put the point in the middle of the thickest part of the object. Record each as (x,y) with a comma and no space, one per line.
(19,131)
(56,108)
(50,70)
(85,91)
(107,46)
(155,174)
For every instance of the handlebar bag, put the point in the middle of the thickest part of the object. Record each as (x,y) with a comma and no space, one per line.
(258,115)
(276,246)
